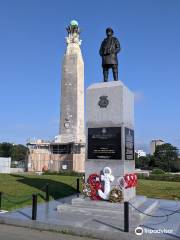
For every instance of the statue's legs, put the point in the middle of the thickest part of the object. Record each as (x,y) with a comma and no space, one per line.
(105,73)
(115,72)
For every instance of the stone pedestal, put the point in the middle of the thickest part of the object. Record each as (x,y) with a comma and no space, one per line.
(110,131)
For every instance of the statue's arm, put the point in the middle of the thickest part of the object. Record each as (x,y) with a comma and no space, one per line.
(101,50)
(118,47)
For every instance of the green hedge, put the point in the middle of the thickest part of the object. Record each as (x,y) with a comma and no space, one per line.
(64,173)
(158,171)
(161,177)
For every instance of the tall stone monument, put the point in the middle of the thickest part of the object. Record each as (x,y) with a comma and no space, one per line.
(110,129)
(67,151)
(70,142)
(72,89)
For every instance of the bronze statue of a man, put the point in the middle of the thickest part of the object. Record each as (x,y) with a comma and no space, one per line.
(108,51)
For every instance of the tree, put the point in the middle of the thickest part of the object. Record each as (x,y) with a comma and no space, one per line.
(165,156)
(5,149)
(16,152)
(142,162)
(19,152)
(152,161)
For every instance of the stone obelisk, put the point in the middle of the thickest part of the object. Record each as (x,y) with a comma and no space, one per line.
(72,89)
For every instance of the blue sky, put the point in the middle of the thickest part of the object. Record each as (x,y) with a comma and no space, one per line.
(32,44)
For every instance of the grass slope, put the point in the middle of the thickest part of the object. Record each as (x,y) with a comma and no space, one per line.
(159,189)
(19,188)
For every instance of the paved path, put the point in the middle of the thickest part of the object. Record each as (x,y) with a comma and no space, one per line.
(97,225)
(20,233)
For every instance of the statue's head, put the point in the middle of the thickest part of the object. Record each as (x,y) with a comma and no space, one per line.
(109,32)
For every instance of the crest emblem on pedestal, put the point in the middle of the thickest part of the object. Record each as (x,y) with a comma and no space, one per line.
(103,101)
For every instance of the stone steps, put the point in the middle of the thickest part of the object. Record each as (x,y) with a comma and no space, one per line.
(106,209)
(86,202)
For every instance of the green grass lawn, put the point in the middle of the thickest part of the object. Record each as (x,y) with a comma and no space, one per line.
(21,187)
(159,189)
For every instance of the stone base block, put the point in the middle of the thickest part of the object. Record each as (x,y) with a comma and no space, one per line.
(110,132)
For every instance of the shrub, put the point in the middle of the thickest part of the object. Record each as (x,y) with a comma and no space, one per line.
(158,171)
(64,173)
(161,177)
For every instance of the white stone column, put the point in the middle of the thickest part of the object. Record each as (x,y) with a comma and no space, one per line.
(72,93)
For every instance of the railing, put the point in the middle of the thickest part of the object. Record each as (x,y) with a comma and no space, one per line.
(76,184)
(126,214)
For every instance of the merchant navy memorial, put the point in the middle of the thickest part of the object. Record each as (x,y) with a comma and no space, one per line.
(109,143)
(96,146)
(103,148)
(82,181)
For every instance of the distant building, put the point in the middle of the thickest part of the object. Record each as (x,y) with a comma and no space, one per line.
(154,143)
(5,164)
(53,156)
(140,153)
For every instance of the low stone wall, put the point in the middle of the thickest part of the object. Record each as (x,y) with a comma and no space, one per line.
(142,172)
(17,170)
(5,164)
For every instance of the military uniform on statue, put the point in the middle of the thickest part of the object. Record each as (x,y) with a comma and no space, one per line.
(109,49)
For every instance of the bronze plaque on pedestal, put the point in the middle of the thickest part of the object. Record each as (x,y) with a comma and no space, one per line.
(104,143)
